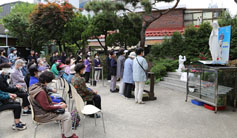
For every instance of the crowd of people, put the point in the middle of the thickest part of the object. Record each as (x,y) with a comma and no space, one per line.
(30,77)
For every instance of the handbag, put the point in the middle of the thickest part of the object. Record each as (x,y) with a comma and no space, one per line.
(146,73)
(59,111)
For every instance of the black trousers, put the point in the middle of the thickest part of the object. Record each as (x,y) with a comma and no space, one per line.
(87,77)
(16,107)
(24,96)
(128,90)
(96,101)
(108,74)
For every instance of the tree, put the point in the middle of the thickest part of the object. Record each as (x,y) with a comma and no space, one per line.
(128,31)
(76,31)
(51,19)
(18,24)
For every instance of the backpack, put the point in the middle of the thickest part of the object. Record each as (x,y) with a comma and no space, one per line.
(75,119)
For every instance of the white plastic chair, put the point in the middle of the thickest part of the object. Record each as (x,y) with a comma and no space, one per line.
(35,122)
(85,109)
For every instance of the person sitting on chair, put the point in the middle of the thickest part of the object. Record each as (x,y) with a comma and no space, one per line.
(44,108)
(4,86)
(6,104)
(86,93)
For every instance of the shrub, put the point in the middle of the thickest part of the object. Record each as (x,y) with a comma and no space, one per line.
(159,70)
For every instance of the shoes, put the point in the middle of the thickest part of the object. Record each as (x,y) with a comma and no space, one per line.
(22,123)
(19,127)
(73,136)
(141,102)
(114,91)
(28,112)
(131,96)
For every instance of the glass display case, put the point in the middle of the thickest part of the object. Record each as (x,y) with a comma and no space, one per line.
(215,85)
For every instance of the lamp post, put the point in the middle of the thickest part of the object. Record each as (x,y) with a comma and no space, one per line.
(6,32)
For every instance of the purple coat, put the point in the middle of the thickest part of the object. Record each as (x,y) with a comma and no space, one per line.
(88,65)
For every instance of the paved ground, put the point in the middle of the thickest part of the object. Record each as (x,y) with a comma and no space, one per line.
(167,117)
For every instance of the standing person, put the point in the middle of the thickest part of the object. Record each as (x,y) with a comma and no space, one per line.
(87,63)
(139,74)
(108,60)
(36,56)
(44,108)
(113,66)
(3,59)
(128,75)
(120,69)
(52,59)
(79,57)
(31,56)
(13,56)
(97,64)
(63,57)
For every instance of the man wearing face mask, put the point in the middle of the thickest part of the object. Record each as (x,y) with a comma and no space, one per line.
(4,86)
(3,59)
(13,56)
(17,77)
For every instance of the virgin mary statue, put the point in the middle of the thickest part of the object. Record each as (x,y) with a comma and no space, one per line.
(214,46)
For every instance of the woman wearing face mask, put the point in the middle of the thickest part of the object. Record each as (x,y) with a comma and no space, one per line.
(87,63)
(17,77)
(54,67)
(13,56)
(3,59)
(86,93)
(97,64)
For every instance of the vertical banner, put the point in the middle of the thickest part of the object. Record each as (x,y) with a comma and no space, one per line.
(224,35)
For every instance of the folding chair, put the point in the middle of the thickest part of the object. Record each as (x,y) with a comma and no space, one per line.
(38,123)
(85,109)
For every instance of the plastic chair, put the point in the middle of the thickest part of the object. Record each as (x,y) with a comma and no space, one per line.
(35,122)
(85,109)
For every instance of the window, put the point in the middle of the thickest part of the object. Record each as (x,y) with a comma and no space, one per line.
(207,15)
(196,15)
(188,16)
(216,14)
(188,23)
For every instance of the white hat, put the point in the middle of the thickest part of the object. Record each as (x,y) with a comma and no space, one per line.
(72,69)
(132,55)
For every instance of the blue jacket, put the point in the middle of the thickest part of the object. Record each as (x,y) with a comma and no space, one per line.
(113,65)
(96,63)
(33,80)
(4,95)
(128,71)
(138,73)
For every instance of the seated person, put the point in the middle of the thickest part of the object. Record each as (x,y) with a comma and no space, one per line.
(44,108)
(54,67)
(80,84)
(5,104)
(41,66)
(4,86)
(17,77)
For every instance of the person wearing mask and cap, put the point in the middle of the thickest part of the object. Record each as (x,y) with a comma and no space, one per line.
(13,56)
(3,58)
(4,86)
(128,75)
(17,77)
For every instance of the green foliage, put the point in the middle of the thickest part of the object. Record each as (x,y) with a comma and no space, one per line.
(76,31)
(19,26)
(226,20)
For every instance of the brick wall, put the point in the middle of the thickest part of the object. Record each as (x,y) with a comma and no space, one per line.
(172,20)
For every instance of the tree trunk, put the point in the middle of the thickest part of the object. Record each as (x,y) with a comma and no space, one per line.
(143,34)
(60,46)
(64,47)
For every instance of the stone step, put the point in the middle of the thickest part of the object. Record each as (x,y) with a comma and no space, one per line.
(175,81)
(174,75)
(172,86)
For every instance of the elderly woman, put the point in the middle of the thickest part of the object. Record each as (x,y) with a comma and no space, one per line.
(86,93)
(17,77)
(44,108)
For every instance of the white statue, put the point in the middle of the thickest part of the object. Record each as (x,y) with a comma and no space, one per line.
(214,45)
(182,59)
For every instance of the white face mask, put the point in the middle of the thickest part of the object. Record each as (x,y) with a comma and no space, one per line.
(15,52)
(20,68)
(96,56)
(84,71)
